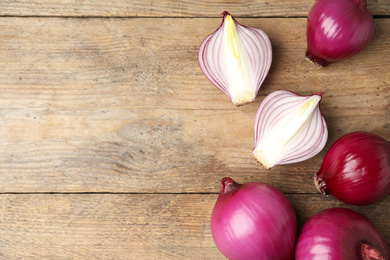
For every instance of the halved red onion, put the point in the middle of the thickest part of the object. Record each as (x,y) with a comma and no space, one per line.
(236,59)
(289,128)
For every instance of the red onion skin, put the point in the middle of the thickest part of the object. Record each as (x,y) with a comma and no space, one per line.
(337,30)
(340,234)
(253,221)
(356,169)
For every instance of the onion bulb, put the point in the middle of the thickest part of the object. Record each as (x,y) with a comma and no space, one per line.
(288,128)
(253,221)
(341,234)
(356,169)
(236,59)
(337,30)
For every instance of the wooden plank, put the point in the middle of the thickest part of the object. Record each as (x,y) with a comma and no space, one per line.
(129,226)
(156,65)
(94,105)
(176,8)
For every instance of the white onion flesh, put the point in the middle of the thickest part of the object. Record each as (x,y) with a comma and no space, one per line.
(289,128)
(236,59)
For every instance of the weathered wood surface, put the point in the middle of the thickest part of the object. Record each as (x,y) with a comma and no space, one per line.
(175,8)
(129,226)
(114,143)
(95,105)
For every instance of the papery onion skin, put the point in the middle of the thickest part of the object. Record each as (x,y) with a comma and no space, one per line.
(356,169)
(337,30)
(340,234)
(253,221)
(236,59)
(289,128)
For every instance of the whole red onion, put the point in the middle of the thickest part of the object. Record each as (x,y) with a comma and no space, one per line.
(340,234)
(356,169)
(337,30)
(253,221)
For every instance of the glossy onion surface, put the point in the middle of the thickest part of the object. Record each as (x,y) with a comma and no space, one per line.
(337,30)
(340,234)
(253,221)
(356,169)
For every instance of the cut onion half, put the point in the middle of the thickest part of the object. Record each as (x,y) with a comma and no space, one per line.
(289,128)
(236,59)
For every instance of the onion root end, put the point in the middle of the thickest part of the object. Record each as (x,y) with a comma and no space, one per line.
(370,253)
(319,185)
(316,60)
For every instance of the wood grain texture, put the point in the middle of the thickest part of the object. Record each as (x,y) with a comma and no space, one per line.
(113,142)
(176,8)
(132,226)
(95,105)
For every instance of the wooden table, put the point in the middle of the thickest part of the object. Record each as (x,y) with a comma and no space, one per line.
(113,142)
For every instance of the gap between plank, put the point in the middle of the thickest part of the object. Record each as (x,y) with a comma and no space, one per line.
(126,193)
(139,17)
(160,17)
